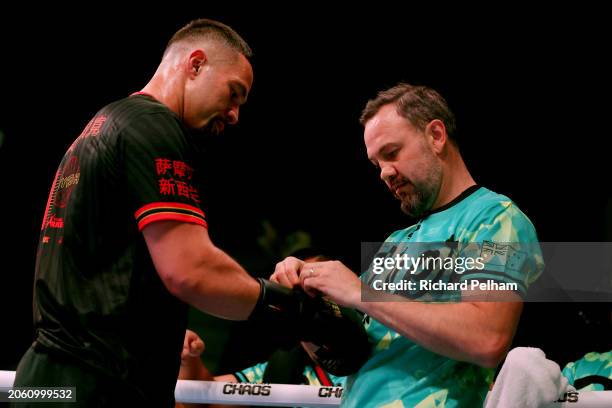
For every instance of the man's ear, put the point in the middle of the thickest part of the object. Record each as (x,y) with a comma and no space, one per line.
(196,62)
(436,133)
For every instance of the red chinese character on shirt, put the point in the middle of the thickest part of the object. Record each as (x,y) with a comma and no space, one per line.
(194,194)
(162,166)
(181,169)
(166,187)
(183,190)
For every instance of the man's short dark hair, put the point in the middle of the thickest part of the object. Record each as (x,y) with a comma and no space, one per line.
(419,104)
(206,28)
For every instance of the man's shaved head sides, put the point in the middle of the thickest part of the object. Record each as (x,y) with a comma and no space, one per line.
(205,29)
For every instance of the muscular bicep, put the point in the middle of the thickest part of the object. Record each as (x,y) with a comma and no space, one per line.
(176,248)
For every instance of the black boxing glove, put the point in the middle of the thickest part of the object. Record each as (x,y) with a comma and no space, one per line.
(274,299)
(341,342)
(275,313)
(337,332)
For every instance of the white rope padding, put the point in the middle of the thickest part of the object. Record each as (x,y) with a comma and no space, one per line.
(216,392)
(257,394)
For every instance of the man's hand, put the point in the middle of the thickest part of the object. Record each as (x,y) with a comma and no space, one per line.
(333,280)
(287,272)
(193,346)
(192,367)
(337,331)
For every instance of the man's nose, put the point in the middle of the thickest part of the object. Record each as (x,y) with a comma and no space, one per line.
(387,172)
(231,117)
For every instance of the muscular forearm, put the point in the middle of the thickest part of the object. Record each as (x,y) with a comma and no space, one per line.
(476,332)
(220,286)
(193,269)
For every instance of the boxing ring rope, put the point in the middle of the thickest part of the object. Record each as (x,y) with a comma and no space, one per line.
(216,392)
(257,394)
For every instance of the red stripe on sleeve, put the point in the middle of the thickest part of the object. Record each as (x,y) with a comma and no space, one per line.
(162,204)
(171,217)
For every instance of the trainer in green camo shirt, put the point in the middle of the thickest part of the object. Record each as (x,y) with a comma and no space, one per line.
(433,353)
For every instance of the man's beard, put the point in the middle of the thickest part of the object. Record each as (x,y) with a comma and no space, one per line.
(203,137)
(214,127)
(424,193)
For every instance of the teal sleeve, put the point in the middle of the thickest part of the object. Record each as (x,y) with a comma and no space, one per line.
(252,374)
(592,364)
(569,372)
(506,241)
(338,381)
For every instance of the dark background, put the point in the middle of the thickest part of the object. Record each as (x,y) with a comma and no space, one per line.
(530,90)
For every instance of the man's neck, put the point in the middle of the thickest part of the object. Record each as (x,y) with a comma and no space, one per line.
(456,179)
(163,87)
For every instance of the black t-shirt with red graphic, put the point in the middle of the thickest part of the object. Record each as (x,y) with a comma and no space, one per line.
(97,296)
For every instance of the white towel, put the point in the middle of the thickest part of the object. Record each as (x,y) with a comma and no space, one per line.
(527,380)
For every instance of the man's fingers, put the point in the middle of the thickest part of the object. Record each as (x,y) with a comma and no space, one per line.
(196,347)
(292,276)
(307,272)
(286,272)
(291,267)
(283,280)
